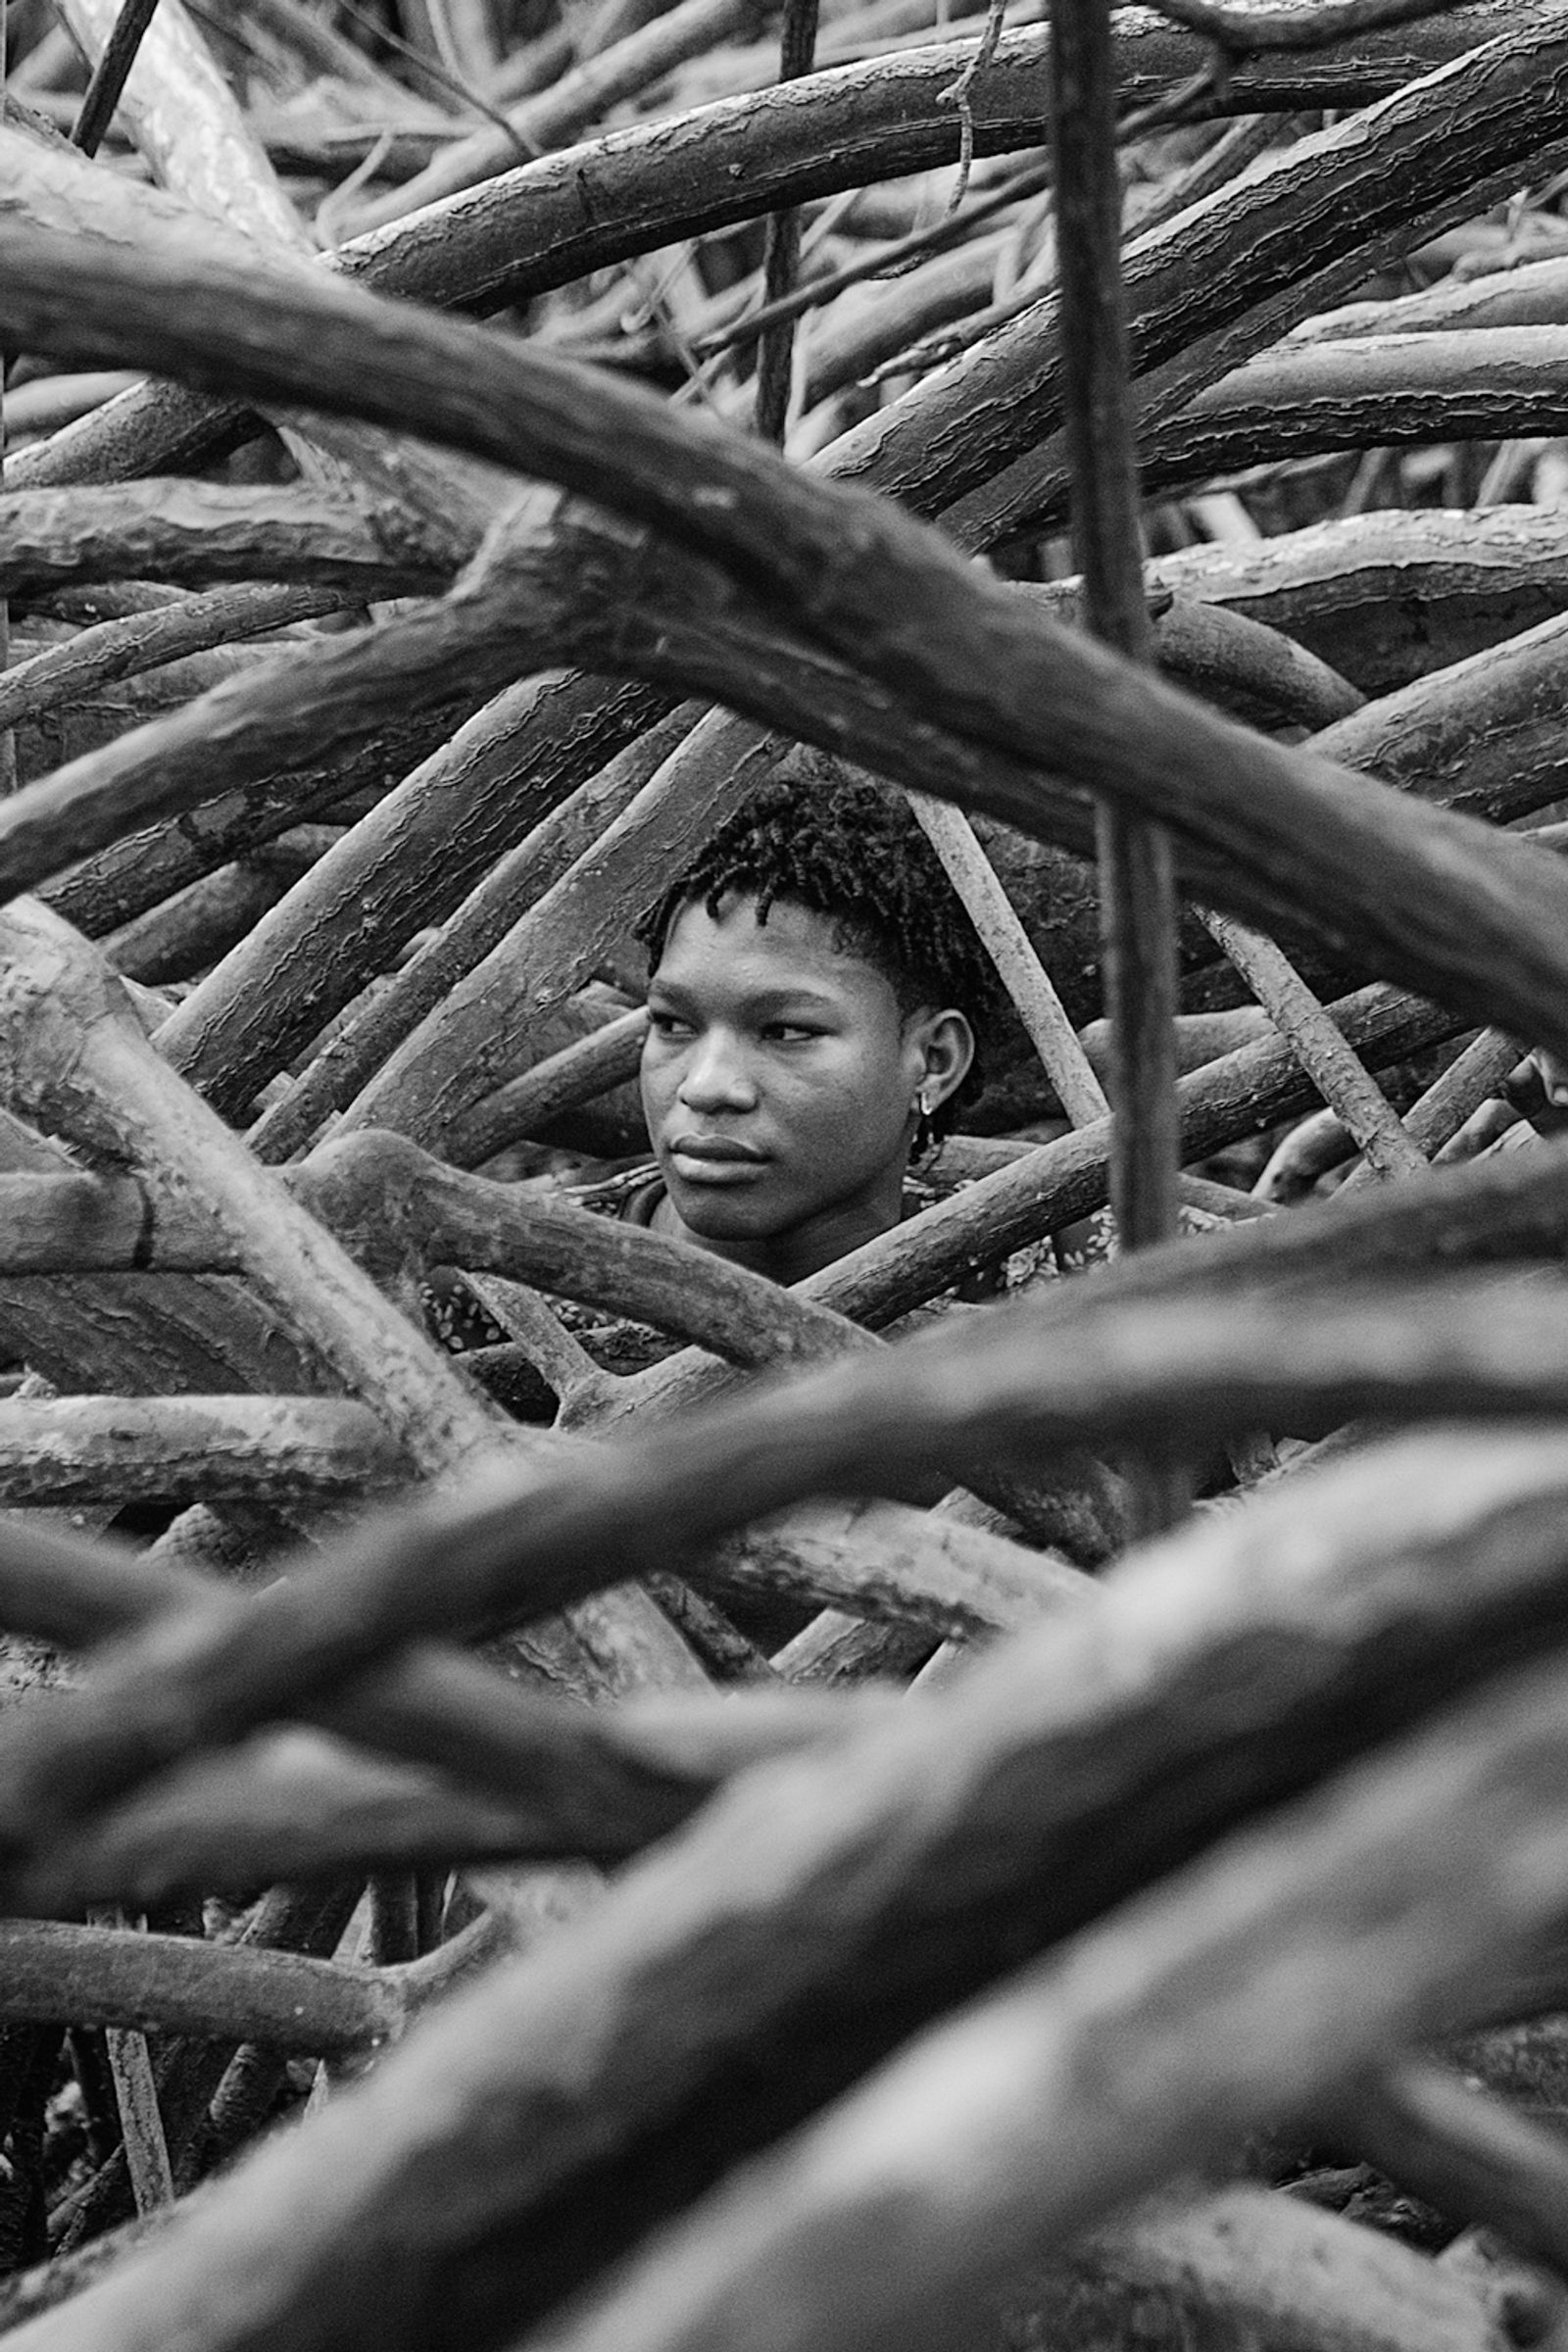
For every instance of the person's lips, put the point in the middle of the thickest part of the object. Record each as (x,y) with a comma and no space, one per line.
(715,1160)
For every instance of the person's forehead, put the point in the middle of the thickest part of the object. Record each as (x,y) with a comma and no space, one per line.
(796,949)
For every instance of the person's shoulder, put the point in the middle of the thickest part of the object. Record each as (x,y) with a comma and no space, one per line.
(629,1193)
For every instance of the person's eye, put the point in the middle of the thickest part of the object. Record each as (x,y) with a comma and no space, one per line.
(667,1025)
(789,1033)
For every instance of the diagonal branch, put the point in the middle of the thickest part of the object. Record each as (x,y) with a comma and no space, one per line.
(523,1107)
(118,1449)
(1233,1993)
(1246,25)
(1347,1086)
(931,1856)
(193,533)
(385,1198)
(1003,1393)
(111,74)
(1449,906)
(141,641)
(73,1052)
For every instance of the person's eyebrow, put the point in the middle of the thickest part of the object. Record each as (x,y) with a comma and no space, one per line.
(803,999)
(764,1002)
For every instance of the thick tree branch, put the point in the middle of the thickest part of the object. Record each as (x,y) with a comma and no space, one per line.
(118,1449)
(929,1857)
(1000,1395)
(1227,1996)
(176,1983)
(1253,24)
(479,804)
(385,1198)
(1473,916)
(1471,2156)
(526,1105)
(194,534)
(142,640)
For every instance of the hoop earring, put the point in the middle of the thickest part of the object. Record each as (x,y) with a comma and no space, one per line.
(926,1138)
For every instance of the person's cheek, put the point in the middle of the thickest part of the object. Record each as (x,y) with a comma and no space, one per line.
(656,1086)
(833,1123)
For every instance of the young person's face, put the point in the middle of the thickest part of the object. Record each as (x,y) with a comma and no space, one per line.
(778,1082)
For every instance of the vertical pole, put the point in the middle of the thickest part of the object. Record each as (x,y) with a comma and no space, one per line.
(93,118)
(8,741)
(1136,884)
(781,255)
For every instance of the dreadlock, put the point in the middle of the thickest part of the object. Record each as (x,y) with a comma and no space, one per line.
(856,854)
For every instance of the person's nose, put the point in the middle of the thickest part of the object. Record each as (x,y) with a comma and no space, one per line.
(716,1077)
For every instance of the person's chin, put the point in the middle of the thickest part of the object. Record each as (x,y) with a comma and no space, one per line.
(722,1212)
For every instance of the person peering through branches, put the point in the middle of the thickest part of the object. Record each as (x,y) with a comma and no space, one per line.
(815,997)
(816,994)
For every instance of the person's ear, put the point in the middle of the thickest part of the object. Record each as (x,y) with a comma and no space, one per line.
(945,1046)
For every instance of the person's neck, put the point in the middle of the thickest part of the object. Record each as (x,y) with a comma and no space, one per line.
(804,1250)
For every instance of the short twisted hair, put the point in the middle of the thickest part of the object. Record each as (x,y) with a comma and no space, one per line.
(856,854)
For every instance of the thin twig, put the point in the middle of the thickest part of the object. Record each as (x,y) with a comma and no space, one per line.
(660,307)
(1192,100)
(887,261)
(1235,147)
(111,74)
(960,93)
(440,73)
